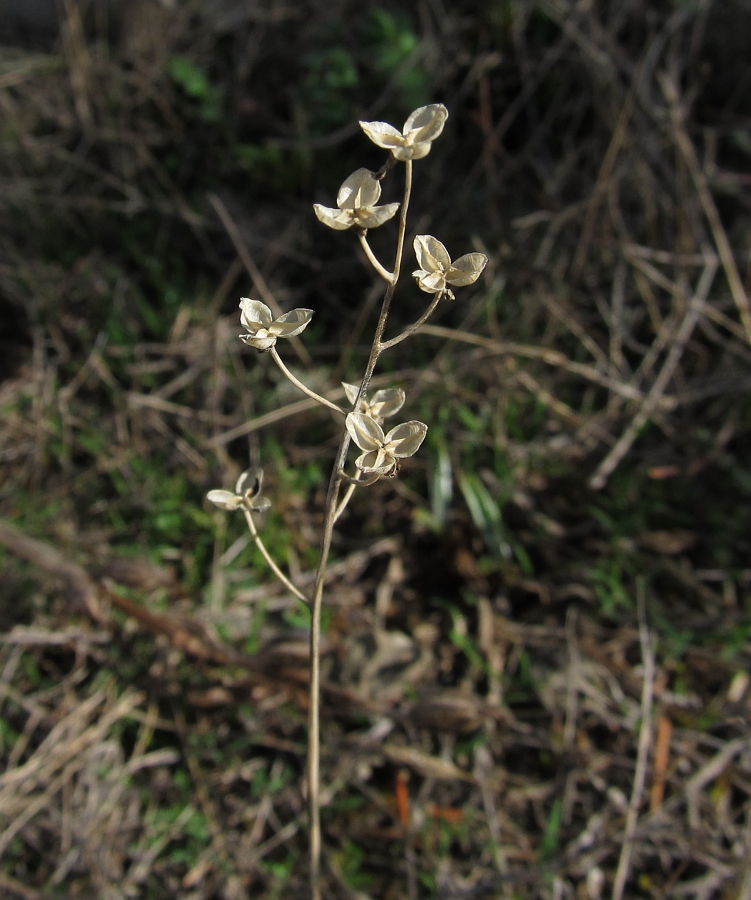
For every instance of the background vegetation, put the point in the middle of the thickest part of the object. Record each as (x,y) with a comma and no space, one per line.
(537,637)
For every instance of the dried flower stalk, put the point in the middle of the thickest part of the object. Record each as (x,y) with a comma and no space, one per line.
(357,210)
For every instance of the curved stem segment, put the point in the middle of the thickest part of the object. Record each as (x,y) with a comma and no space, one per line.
(353,483)
(332,504)
(345,499)
(272,565)
(300,386)
(373,260)
(392,342)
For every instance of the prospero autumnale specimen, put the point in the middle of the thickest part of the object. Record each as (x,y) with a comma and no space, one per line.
(362,421)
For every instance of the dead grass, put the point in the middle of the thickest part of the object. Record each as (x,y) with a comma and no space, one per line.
(537,647)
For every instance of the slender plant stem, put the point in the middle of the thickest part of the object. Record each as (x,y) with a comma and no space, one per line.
(306,390)
(346,479)
(352,483)
(314,762)
(375,350)
(345,500)
(644,743)
(314,749)
(372,259)
(392,342)
(272,565)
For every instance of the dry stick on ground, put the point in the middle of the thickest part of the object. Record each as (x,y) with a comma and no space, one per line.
(615,318)
(483,769)
(291,409)
(645,740)
(722,243)
(16,785)
(611,461)
(572,680)
(551,357)
(85,593)
(601,185)
(665,329)
(269,418)
(17,889)
(662,754)
(670,287)
(81,586)
(561,409)
(259,282)
(711,770)
(185,633)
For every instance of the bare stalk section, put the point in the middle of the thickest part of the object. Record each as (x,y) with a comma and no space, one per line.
(357,209)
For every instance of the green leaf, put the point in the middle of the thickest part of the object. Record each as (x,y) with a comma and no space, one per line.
(549,842)
(195,83)
(441,485)
(189,77)
(486,514)
(392,41)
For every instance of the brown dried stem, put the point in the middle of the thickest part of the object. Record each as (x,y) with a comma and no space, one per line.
(719,234)
(651,402)
(645,740)
(259,282)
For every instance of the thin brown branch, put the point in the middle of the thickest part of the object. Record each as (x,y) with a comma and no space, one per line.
(688,152)
(551,357)
(82,589)
(601,185)
(259,282)
(651,402)
(291,409)
(645,740)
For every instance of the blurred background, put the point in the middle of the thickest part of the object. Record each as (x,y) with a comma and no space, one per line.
(538,636)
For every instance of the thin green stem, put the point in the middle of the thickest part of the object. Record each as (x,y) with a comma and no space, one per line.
(300,386)
(392,342)
(272,565)
(373,260)
(332,498)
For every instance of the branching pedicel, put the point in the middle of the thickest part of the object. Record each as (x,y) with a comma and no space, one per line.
(362,424)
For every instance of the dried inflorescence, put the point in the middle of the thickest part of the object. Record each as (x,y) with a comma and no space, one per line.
(247,493)
(380,405)
(263,329)
(357,210)
(436,269)
(357,200)
(383,451)
(420,130)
